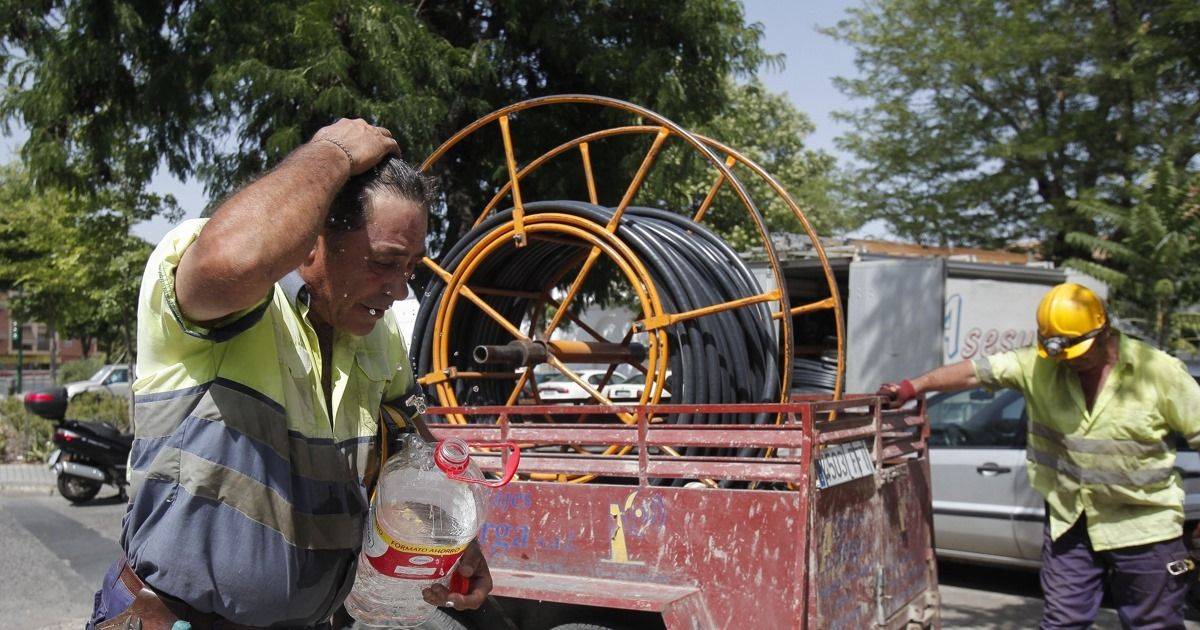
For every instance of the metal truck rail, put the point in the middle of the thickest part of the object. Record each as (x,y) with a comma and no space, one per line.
(832,530)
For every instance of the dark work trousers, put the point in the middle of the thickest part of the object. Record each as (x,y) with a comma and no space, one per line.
(112,598)
(1146,594)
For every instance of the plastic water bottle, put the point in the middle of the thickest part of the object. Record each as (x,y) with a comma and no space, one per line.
(428,506)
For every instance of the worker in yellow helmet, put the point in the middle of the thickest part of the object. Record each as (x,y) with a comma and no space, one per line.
(1102,410)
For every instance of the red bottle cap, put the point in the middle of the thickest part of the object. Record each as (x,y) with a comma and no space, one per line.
(452,456)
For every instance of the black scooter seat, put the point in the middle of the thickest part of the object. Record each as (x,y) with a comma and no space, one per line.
(107,431)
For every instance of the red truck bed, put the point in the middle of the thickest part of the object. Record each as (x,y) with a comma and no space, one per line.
(781,549)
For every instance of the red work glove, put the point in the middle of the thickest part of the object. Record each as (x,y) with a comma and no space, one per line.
(896,395)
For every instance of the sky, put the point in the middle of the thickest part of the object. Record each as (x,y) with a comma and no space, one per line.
(812,60)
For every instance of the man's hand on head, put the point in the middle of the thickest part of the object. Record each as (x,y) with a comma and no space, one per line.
(270,227)
(363,144)
(473,567)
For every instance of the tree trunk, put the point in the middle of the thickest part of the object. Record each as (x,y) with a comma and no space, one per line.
(52,330)
(1162,326)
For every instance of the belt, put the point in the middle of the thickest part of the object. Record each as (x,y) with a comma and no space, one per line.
(151,610)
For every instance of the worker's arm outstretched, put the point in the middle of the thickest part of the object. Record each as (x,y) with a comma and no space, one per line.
(947,378)
(268,228)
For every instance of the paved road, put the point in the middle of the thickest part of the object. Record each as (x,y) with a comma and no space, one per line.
(53,556)
(975,597)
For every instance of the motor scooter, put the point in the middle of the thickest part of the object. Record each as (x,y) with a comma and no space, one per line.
(89,454)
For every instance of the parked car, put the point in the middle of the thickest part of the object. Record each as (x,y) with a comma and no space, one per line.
(984,509)
(111,379)
(630,391)
(557,387)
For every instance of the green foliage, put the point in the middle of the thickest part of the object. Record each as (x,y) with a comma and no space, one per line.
(985,119)
(1187,333)
(79,370)
(223,90)
(72,266)
(77,83)
(23,435)
(1147,252)
(96,406)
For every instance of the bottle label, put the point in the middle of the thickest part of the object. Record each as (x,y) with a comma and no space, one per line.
(398,559)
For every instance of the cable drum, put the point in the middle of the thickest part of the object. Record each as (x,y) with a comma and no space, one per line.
(729,356)
(512,294)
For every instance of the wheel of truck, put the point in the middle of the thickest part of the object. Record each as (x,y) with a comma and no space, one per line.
(77,489)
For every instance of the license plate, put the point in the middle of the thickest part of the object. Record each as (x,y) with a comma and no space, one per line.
(54,457)
(840,463)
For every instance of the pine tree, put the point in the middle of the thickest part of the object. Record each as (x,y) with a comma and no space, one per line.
(1147,251)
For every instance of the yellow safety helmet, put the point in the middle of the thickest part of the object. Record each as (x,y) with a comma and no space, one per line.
(1069,319)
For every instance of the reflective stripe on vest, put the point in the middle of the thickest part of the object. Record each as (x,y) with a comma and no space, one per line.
(983,368)
(224,442)
(1097,445)
(1094,476)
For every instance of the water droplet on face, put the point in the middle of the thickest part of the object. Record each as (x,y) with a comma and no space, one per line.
(345,295)
(387,292)
(372,311)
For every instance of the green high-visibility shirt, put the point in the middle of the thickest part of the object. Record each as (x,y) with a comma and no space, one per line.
(1114,462)
(249,488)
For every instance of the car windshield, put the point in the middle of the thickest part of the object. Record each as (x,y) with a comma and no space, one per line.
(99,374)
(958,407)
(977,418)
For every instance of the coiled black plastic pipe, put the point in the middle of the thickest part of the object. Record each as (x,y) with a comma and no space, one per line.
(727,357)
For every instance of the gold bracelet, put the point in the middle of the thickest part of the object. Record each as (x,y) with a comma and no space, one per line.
(342,147)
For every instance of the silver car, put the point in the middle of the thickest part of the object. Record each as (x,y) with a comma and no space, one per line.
(113,379)
(984,509)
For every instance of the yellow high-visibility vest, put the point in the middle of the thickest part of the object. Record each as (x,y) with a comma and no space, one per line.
(1115,462)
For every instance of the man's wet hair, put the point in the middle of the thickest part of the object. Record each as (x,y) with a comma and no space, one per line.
(392,176)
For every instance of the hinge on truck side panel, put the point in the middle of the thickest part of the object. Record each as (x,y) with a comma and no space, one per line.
(880,610)
(888,475)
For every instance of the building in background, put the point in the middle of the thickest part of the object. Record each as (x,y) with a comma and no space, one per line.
(35,351)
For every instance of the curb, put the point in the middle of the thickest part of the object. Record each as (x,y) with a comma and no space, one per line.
(26,489)
(29,478)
